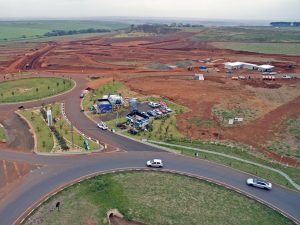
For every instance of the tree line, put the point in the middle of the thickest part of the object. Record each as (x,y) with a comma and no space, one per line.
(72,32)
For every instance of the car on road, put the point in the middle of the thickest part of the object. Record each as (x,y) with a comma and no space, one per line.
(155,163)
(102,126)
(81,95)
(260,183)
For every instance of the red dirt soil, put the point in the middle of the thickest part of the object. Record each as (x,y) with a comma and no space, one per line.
(126,58)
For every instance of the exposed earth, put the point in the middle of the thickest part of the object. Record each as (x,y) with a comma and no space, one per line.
(158,65)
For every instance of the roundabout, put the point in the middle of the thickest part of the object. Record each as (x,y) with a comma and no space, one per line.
(54,173)
(33,88)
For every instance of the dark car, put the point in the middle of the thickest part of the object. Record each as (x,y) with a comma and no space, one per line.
(21,107)
(132,131)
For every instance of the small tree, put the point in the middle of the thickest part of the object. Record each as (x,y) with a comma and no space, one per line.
(12,93)
(44,144)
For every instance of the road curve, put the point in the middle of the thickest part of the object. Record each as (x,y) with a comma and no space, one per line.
(57,171)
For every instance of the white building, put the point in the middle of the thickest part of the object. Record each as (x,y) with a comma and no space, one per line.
(114,99)
(233,65)
(198,77)
(265,68)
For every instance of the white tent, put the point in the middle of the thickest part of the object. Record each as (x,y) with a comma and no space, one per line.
(198,77)
(264,68)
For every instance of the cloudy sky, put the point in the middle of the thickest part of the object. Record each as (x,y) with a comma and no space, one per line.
(209,9)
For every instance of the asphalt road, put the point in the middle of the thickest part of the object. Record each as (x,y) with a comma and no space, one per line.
(59,170)
(55,171)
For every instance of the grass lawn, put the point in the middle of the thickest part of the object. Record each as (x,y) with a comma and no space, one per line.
(287,141)
(271,48)
(43,133)
(153,198)
(294,173)
(250,34)
(18,30)
(33,88)
(2,133)
(109,88)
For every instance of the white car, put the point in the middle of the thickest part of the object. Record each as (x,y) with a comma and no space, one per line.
(260,183)
(155,163)
(102,126)
(287,77)
(154,104)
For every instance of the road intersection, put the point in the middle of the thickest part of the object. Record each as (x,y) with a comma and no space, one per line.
(54,172)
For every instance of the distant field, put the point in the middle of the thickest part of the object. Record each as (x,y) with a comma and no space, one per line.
(272,48)
(249,34)
(15,30)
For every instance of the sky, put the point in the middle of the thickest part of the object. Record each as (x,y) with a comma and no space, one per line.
(198,9)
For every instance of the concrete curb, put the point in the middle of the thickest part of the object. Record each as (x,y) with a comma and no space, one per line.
(295,185)
(39,202)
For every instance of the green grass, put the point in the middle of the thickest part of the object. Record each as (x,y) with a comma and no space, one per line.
(2,133)
(271,48)
(64,128)
(250,34)
(154,198)
(18,30)
(43,133)
(32,88)
(293,172)
(287,141)
(109,88)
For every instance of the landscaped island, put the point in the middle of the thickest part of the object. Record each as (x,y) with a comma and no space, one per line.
(33,88)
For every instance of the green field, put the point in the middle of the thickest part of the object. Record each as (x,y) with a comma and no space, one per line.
(250,34)
(33,88)
(270,48)
(17,30)
(2,133)
(239,152)
(153,198)
(43,133)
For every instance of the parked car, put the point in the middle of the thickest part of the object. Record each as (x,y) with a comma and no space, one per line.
(158,112)
(21,107)
(260,183)
(154,104)
(287,77)
(151,113)
(163,111)
(81,95)
(132,131)
(168,109)
(155,163)
(102,126)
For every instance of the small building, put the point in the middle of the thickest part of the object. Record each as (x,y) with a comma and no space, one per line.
(233,65)
(198,77)
(203,68)
(104,106)
(265,68)
(114,99)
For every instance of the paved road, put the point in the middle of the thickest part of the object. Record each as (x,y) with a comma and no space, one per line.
(56,170)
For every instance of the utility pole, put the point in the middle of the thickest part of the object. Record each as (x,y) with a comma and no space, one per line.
(72,133)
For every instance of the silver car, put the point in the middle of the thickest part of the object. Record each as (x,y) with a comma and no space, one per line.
(260,183)
(155,163)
